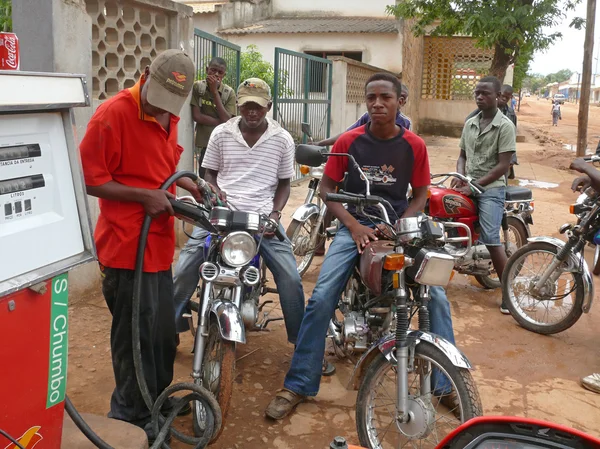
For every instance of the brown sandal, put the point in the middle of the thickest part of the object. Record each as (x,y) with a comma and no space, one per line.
(284,402)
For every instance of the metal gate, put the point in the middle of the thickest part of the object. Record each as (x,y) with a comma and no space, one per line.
(302,93)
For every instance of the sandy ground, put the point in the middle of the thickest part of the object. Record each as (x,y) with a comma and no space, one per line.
(517,372)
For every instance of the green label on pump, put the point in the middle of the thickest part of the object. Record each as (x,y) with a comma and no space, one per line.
(59,341)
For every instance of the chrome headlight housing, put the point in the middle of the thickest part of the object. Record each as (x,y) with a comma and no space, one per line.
(238,249)
(317,172)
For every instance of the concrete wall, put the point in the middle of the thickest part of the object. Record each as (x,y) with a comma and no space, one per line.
(56,36)
(357,8)
(380,50)
(442,117)
(207,22)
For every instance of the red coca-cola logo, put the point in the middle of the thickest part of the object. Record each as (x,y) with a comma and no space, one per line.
(10,42)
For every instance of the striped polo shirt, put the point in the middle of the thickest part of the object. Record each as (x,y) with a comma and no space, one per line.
(249,176)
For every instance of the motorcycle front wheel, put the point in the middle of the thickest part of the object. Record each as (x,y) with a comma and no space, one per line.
(517,237)
(218,373)
(299,234)
(432,416)
(557,307)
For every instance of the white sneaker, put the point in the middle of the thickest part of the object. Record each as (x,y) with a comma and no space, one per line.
(504,310)
(591,382)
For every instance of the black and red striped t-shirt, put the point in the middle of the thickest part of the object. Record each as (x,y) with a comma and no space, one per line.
(390,165)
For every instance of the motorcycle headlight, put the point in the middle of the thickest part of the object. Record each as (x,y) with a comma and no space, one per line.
(317,172)
(238,249)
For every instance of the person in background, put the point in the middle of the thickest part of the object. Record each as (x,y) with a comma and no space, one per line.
(555,113)
(213,102)
(487,144)
(129,149)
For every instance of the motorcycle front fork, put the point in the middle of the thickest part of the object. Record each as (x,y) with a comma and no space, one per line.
(404,350)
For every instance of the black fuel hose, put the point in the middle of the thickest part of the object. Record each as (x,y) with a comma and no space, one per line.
(160,424)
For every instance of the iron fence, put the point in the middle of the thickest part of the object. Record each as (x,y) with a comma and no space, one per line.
(302,93)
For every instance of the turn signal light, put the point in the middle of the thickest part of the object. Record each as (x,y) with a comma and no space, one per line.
(572,208)
(304,169)
(394,262)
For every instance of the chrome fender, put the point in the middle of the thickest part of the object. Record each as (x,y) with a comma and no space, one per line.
(575,260)
(386,346)
(306,211)
(231,325)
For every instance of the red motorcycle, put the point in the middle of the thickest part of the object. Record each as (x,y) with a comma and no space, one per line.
(449,206)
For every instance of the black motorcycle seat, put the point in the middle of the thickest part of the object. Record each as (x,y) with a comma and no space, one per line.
(516,193)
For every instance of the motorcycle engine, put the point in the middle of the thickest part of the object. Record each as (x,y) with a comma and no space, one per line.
(356,331)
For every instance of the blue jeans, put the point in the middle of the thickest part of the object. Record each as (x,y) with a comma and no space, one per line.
(491,209)
(277,256)
(304,375)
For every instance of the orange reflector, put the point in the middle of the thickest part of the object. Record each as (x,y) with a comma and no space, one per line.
(428,193)
(304,169)
(396,280)
(394,262)
(452,275)
(572,208)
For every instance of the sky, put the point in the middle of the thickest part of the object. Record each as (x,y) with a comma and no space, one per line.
(567,53)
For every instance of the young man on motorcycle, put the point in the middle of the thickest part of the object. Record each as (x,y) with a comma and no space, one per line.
(590,178)
(487,145)
(251,161)
(379,146)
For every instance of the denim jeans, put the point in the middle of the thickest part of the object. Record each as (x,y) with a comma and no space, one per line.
(491,209)
(304,375)
(277,256)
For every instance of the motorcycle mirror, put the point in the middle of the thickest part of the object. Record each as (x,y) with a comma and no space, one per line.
(306,129)
(310,155)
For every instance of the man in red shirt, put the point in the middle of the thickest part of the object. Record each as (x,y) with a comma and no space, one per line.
(129,149)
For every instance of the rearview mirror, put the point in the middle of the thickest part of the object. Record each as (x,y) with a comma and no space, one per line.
(306,129)
(310,155)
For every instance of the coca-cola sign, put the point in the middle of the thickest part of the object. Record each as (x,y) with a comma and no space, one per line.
(9,51)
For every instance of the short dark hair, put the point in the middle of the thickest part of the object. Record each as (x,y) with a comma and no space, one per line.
(492,80)
(405,89)
(218,61)
(382,76)
(508,89)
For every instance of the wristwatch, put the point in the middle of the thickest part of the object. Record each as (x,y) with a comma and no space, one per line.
(278,212)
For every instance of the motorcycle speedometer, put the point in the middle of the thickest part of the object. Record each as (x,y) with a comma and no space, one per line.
(238,249)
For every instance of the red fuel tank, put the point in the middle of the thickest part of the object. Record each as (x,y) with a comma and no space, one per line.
(448,203)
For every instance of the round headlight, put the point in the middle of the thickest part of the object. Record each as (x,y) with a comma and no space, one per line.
(238,249)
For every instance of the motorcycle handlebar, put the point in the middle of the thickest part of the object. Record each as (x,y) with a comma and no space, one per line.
(352,199)
(478,188)
(278,233)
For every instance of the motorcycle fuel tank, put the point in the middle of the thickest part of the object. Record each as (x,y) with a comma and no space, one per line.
(371,264)
(448,203)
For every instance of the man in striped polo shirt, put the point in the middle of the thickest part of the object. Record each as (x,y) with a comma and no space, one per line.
(250,159)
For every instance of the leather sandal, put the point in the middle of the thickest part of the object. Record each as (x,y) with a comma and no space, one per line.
(284,402)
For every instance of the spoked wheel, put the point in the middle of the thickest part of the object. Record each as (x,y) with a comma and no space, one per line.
(432,417)
(218,371)
(299,234)
(517,235)
(552,309)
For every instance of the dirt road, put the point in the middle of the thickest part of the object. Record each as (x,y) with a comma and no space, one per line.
(517,372)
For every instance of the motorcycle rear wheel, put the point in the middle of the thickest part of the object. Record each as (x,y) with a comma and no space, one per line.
(525,314)
(382,370)
(294,233)
(519,236)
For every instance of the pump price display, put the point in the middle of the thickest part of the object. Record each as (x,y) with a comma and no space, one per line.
(19,184)
(19,152)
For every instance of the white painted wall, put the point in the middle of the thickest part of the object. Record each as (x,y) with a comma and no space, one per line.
(361,8)
(379,50)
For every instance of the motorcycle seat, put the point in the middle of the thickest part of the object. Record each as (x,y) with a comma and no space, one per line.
(516,193)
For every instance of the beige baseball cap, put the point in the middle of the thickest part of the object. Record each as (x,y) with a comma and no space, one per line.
(171,80)
(254,90)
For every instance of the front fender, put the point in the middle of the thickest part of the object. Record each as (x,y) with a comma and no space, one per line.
(575,260)
(387,344)
(231,325)
(306,211)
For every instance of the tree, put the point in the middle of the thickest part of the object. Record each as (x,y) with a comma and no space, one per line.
(6,15)
(509,27)
(254,66)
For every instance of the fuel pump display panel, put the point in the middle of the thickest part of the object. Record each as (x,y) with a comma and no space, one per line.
(39,219)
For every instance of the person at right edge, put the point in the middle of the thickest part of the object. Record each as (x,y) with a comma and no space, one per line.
(380,147)
(487,145)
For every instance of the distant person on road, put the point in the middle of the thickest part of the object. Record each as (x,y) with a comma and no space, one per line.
(555,112)
(213,102)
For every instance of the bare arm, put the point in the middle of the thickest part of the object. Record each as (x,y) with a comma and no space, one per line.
(221,111)
(461,163)
(282,194)
(328,142)
(155,202)
(203,119)
(418,202)
(498,171)
(211,177)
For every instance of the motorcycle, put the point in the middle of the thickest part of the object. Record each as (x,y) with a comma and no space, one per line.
(397,275)
(547,283)
(448,205)
(306,230)
(233,280)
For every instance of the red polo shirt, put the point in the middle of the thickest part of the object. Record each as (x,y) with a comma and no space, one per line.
(124,145)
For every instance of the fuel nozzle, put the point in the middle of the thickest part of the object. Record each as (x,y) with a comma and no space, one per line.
(210,196)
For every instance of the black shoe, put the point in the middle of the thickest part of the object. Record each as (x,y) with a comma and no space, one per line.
(152,436)
(328,369)
(170,403)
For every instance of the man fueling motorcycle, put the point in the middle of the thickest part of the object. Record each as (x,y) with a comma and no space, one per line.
(379,146)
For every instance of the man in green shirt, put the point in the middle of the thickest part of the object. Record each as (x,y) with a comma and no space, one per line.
(213,102)
(487,144)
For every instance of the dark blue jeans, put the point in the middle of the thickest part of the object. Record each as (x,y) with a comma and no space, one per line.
(304,375)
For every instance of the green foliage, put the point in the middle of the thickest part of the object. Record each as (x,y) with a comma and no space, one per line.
(521,69)
(254,66)
(6,15)
(510,27)
(536,82)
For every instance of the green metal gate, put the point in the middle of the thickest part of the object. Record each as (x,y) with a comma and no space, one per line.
(302,93)
(208,46)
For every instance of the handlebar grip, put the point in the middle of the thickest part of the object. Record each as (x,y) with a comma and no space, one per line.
(191,214)
(477,186)
(341,198)
(279,234)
